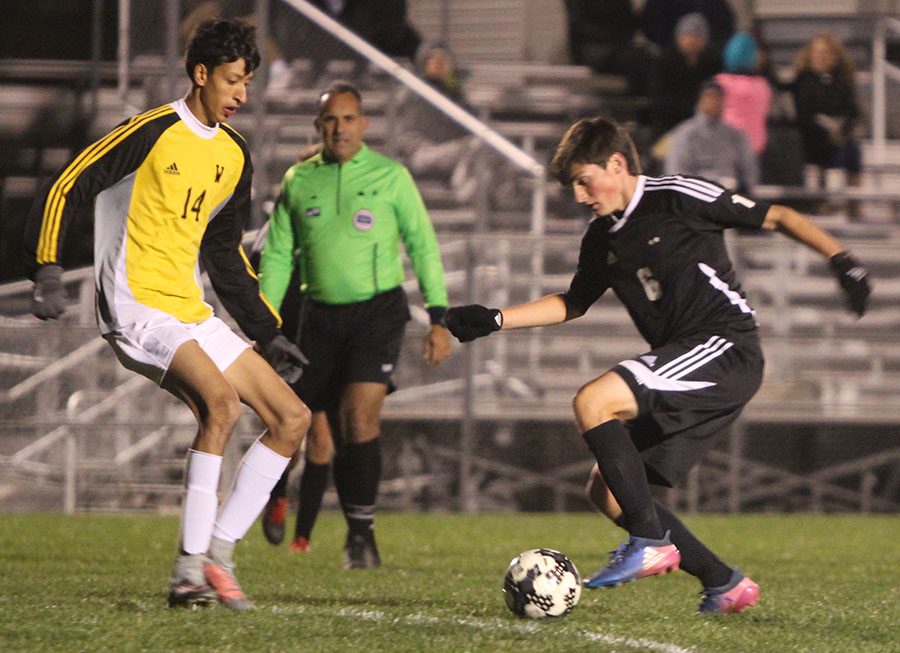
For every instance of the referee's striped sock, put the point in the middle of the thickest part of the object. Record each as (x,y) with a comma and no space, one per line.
(358,471)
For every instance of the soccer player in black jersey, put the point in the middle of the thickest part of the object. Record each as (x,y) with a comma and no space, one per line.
(658,244)
(168,187)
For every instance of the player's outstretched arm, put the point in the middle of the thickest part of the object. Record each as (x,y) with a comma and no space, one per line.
(474,321)
(851,275)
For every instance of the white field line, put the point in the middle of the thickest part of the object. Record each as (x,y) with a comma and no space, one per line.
(493,626)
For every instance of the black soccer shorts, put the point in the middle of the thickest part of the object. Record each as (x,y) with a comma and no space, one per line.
(349,343)
(688,392)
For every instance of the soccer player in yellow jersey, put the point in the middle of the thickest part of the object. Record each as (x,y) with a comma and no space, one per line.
(170,187)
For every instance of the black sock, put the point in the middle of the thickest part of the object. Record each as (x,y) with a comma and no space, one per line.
(696,559)
(280,489)
(357,471)
(623,471)
(312,489)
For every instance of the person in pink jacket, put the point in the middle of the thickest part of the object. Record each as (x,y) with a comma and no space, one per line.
(748,95)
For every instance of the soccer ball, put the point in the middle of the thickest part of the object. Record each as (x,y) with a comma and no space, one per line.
(541,583)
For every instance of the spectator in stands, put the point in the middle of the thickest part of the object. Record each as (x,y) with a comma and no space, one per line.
(436,64)
(659,20)
(827,112)
(704,146)
(658,244)
(168,188)
(431,142)
(340,221)
(748,96)
(602,35)
(383,23)
(679,72)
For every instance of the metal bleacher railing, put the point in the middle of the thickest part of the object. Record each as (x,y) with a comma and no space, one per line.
(107,439)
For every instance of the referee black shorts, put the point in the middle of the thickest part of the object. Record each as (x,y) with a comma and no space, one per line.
(688,392)
(349,343)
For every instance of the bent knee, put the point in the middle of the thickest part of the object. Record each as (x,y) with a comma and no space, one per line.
(592,406)
(363,426)
(604,399)
(291,423)
(224,411)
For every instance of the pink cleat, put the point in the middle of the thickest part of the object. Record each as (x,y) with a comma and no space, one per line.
(737,594)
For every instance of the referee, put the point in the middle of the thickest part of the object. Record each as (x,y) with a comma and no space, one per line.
(658,244)
(339,221)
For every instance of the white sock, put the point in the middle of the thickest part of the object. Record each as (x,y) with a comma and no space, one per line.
(198,512)
(259,471)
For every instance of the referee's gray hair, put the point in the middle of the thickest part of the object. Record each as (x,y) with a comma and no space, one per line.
(593,140)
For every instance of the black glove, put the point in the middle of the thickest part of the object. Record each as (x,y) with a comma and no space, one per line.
(49,299)
(473,321)
(853,278)
(285,357)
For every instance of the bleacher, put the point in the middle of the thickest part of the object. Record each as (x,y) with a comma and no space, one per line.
(77,425)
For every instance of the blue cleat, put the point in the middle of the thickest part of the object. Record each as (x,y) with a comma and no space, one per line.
(637,557)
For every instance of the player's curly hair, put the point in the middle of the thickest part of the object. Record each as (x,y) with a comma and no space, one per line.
(216,41)
(592,140)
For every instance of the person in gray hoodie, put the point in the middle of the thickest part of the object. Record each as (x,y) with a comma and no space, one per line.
(705,146)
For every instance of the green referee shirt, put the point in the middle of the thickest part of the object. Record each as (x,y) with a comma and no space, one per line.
(344,223)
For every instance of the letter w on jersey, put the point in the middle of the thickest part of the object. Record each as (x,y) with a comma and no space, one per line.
(668,376)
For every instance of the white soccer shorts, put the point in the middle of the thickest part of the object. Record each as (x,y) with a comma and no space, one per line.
(147,347)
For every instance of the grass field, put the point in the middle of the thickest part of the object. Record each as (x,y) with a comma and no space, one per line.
(97,583)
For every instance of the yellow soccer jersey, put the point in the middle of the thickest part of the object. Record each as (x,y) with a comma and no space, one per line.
(167,191)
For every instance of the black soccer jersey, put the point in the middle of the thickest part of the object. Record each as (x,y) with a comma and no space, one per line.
(665,259)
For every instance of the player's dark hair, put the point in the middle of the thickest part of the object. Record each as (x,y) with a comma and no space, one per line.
(338,88)
(592,140)
(216,41)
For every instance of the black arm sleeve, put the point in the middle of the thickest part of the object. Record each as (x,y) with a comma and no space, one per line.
(590,281)
(229,269)
(99,166)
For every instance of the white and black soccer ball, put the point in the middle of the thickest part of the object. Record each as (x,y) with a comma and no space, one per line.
(541,583)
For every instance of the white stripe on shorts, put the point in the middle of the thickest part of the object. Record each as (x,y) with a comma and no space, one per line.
(655,382)
(667,377)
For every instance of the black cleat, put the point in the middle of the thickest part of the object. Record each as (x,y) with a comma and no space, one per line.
(360,551)
(185,594)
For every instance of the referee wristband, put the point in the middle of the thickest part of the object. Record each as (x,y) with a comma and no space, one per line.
(436,314)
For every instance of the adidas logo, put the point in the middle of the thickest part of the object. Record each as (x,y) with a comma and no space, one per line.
(857,273)
(650,360)
(172,170)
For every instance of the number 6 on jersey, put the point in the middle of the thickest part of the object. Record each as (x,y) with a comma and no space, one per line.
(652,287)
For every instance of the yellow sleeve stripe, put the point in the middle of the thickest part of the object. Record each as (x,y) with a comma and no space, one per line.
(56,199)
(253,274)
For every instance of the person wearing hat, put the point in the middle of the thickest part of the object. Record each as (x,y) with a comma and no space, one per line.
(748,96)
(679,73)
(659,19)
